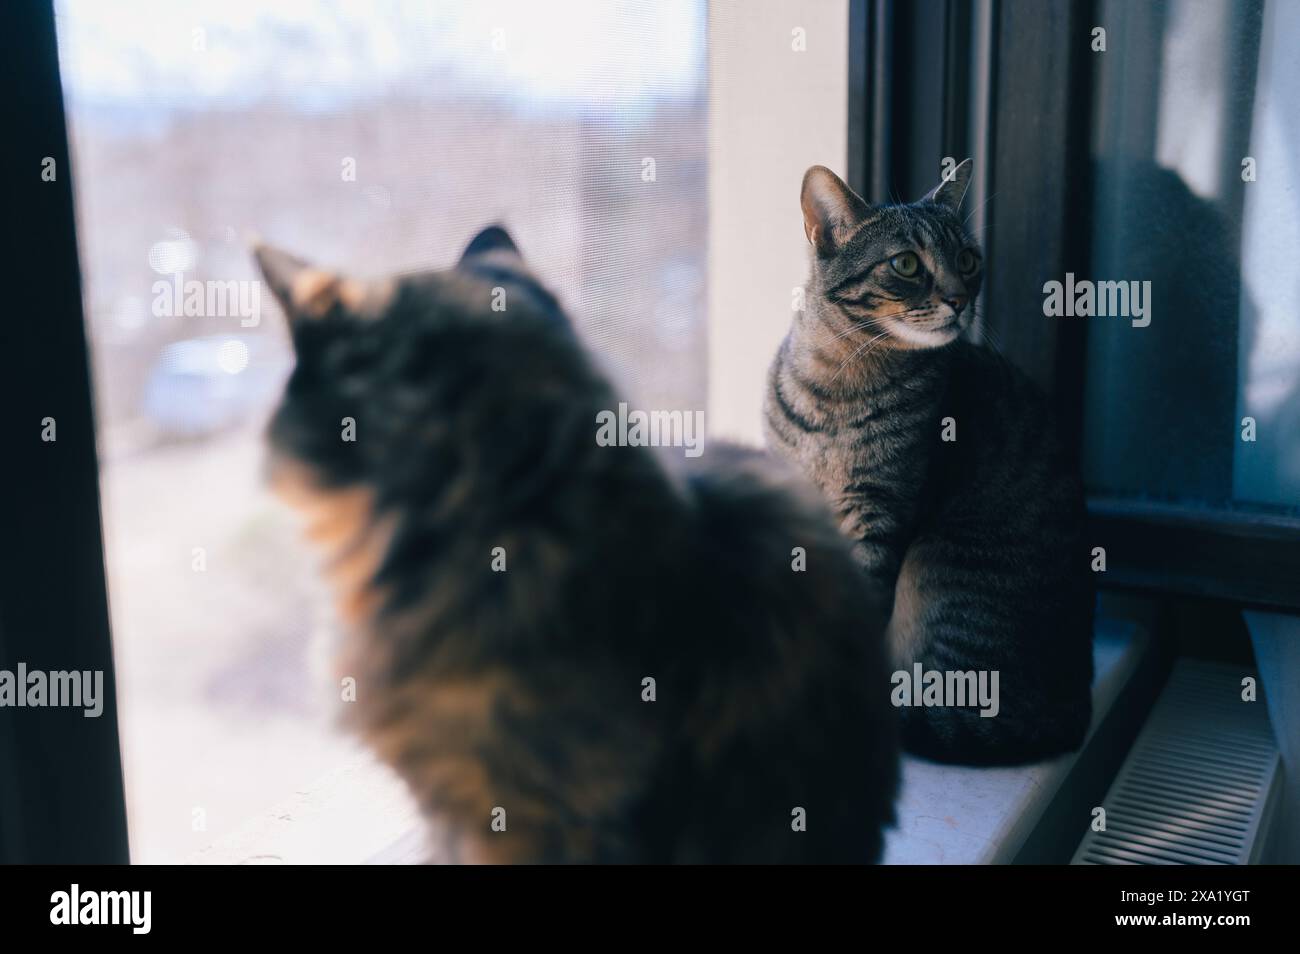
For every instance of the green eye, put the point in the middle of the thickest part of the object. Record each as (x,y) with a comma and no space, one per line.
(967,262)
(906,264)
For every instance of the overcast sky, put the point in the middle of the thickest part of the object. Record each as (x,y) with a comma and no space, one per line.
(596,54)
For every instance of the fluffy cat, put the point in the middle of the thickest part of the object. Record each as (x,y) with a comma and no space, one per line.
(975,545)
(508,587)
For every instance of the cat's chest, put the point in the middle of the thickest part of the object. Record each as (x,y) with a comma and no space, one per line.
(872,432)
(841,460)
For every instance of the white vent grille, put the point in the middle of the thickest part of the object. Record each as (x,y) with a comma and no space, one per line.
(1197,782)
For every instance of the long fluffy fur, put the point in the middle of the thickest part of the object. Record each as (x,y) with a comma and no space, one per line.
(523,690)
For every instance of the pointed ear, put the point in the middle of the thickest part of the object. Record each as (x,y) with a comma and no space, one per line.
(492,255)
(301,289)
(305,291)
(952,189)
(831,210)
(492,240)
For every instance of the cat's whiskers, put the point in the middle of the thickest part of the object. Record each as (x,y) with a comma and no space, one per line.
(978,208)
(989,337)
(873,322)
(858,351)
(856,326)
(873,345)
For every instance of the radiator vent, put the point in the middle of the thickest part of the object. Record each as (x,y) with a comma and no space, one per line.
(1197,784)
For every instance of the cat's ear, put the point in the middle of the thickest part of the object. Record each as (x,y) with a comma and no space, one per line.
(493,256)
(493,240)
(281,271)
(306,292)
(952,188)
(831,210)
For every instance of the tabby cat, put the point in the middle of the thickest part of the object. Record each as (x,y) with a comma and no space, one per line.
(945,470)
(571,653)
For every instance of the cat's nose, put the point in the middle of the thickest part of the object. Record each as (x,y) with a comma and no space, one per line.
(956,303)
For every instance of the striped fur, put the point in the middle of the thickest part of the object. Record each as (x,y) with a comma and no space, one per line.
(975,546)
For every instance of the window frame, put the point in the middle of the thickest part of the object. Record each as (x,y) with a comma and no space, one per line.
(61,788)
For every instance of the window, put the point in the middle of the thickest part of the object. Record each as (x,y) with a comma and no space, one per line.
(1195,123)
(1133,142)
(647,159)
(373,138)
(1111,143)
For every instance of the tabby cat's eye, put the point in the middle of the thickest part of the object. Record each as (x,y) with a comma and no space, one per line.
(906,264)
(967,262)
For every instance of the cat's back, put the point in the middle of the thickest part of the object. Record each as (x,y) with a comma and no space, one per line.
(999,433)
(790,715)
(996,396)
(758,523)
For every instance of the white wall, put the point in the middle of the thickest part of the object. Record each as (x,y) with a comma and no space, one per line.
(773,113)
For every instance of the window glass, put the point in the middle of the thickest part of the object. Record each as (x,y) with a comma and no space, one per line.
(369,137)
(1196,135)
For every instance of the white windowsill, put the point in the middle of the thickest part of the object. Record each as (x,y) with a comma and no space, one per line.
(953,814)
(362,813)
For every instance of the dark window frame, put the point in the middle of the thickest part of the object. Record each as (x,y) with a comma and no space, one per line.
(61,790)
(1032,57)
